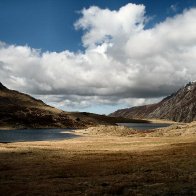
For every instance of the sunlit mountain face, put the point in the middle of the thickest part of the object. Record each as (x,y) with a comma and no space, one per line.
(179,106)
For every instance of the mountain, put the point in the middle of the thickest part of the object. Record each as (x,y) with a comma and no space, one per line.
(19,110)
(180,107)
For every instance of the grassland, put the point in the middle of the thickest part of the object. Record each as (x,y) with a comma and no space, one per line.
(100,165)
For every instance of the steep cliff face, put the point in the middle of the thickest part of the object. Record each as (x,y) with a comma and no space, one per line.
(180,107)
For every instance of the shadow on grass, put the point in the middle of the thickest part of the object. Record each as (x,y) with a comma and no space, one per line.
(51,171)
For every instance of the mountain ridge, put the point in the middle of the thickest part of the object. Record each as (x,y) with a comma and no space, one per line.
(179,106)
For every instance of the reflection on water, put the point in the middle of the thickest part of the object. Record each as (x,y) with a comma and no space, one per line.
(35,135)
(144,126)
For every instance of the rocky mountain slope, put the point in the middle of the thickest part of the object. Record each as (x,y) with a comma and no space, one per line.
(180,107)
(19,110)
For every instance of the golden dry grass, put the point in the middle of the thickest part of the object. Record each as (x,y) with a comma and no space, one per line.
(100,165)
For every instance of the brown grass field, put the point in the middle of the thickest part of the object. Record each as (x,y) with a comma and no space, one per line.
(100,165)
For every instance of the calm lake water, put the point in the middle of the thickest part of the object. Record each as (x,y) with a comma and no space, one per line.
(144,126)
(25,135)
(34,135)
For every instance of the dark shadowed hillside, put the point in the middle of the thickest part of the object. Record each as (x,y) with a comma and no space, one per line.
(18,110)
(180,106)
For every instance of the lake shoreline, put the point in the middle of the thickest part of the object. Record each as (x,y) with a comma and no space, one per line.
(49,134)
(99,164)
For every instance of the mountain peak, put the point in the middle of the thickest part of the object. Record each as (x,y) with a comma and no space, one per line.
(191,83)
(179,106)
(2,87)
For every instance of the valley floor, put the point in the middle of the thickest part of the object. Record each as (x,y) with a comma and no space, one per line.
(100,165)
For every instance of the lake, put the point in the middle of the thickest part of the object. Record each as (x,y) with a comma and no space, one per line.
(7,136)
(144,126)
(26,135)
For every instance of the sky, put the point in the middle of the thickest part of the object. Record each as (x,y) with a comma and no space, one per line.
(97,56)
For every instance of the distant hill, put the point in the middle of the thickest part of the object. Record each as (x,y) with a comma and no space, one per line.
(180,107)
(19,110)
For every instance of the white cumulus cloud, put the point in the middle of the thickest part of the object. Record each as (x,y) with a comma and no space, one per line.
(122,60)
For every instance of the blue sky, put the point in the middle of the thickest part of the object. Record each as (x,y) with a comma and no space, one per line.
(48,24)
(97,56)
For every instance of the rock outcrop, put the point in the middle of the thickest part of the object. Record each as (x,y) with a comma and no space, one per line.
(180,107)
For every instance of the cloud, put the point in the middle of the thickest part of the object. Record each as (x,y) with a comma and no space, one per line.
(93,103)
(123,61)
(173,8)
(101,25)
